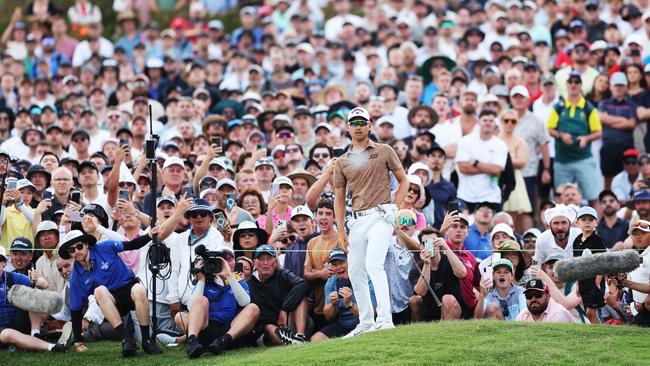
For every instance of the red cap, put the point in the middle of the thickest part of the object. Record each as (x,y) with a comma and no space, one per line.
(631,152)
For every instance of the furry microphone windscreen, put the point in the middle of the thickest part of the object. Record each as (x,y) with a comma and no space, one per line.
(586,267)
(31,299)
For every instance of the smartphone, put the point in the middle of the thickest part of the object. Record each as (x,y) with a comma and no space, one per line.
(11,184)
(259,147)
(486,272)
(428,245)
(281,224)
(275,190)
(453,206)
(495,258)
(47,195)
(76,216)
(124,194)
(239,267)
(124,142)
(216,141)
(220,220)
(230,201)
(75,196)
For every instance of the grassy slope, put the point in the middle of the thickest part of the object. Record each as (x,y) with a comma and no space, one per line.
(468,342)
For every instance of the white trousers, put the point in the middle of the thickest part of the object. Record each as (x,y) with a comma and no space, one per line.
(369,240)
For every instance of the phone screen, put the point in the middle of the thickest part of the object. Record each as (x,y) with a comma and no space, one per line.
(124,194)
(12,184)
(275,190)
(75,196)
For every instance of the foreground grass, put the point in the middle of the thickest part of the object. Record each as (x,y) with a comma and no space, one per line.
(469,342)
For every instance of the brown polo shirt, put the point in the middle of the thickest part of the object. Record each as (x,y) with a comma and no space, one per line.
(366,175)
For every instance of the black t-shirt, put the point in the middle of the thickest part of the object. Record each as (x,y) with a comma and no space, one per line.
(591,293)
(594,243)
(443,282)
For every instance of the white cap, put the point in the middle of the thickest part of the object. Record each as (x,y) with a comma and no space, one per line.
(3,253)
(283,180)
(206,192)
(358,113)
(219,162)
(414,179)
(502,228)
(251,95)
(307,48)
(226,182)
(22,183)
(46,225)
(519,89)
(174,160)
(385,119)
(301,210)
(598,45)
(490,98)
(420,166)
(154,63)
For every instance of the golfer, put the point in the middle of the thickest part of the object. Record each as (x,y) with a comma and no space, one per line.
(364,170)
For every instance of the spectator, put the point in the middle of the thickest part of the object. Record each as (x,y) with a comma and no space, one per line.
(478,238)
(302,223)
(521,260)
(559,238)
(622,183)
(507,300)
(540,307)
(611,228)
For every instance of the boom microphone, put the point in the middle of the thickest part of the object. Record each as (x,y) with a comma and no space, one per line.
(609,263)
(200,250)
(32,299)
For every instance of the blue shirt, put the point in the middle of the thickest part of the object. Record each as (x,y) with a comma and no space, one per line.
(7,310)
(478,245)
(625,108)
(442,193)
(107,269)
(345,317)
(223,307)
(516,301)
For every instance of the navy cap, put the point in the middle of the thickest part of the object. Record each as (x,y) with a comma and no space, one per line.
(642,195)
(264,249)
(575,75)
(337,255)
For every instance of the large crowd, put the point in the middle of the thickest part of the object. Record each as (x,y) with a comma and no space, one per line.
(509,134)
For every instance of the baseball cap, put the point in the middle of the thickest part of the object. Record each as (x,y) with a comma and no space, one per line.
(3,254)
(265,161)
(337,255)
(226,182)
(587,211)
(642,195)
(521,90)
(632,152)
(215,24)
(168,199)
(575,75)
(536,285)
(283,180)
(576,23)
(554,258)
(301,210)
(547,79)
(264,249)
(504,262)
(21,244)
(358,113)
(618,78)
(174,160)
(642,225)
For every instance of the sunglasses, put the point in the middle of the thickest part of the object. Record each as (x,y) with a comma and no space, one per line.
(247,234)
(292,150)
(530,240)
(510,121)
(574,82)
(320,115)
(323,155)
(414,190)
(640,225)
(284,135)
(194,215)
(536,295)
(406,221)
(79,140)
(630,162)
(358,123)
(74,248)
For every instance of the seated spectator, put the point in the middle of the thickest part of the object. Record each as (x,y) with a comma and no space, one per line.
(540,307)
(506,300)
(500,233)
(247,238)
(477,241)
(279,294)
(521,260)
(221,313)
(340,307)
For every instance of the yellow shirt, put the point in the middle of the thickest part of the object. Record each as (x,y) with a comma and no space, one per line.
(15,226)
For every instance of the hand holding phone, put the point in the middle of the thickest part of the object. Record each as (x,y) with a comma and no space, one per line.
(230,201)
(75,196)
(428,245)
(220,220)
(275,190)
(12,184)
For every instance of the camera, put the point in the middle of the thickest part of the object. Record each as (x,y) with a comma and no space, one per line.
(211,262)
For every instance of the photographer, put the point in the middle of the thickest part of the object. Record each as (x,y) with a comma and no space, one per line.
(340,306)
(278,293)
(100,271)
(221,314)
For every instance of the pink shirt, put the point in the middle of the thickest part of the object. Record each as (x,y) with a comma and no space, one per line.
(261,221)
(554,313)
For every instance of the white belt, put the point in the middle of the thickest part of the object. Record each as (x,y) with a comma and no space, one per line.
(372,210)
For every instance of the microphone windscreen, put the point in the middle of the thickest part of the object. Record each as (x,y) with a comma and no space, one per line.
(200,250)
(609,263)
(32,299)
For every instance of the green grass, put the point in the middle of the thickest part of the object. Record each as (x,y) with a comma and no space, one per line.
(469,342)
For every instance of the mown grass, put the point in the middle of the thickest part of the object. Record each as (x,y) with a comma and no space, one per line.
(469,342)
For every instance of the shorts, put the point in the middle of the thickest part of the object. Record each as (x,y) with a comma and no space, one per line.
(592,296)
(581,172)
(403,317)
(122,296)
(334,330)
(20,322)
(215,330)
(642,319)
(610,158)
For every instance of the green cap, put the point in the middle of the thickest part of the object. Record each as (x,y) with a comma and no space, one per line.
(504,262)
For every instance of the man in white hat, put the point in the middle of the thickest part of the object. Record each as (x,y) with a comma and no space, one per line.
(364,170)
(47,239)
(559,238)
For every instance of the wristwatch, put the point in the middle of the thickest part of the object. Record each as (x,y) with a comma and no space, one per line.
(475,163)
(348,307)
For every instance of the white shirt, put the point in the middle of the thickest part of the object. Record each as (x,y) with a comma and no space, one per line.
(480,187)
(334,26)
(15,147)
(546,247)
(641,275)
(402,127)
(82,52)
(447,133)
(621,185)
(543,112)
(182,254)
(144,274)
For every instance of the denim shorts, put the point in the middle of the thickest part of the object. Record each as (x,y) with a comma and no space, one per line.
(582,172)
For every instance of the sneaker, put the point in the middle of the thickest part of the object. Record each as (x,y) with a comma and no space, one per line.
(66,334)
(149,347)
(194,348)
(166,340)
(128,347)
(60,348)
(289,337)
(219,345)
(358,330)
(382,325)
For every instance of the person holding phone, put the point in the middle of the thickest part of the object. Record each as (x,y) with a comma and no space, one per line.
(278,207)
(364,170)
(507,300)
(17,216)
(62,185)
